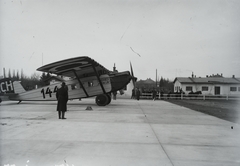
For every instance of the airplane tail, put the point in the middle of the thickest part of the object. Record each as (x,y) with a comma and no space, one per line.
(9,87)
(18,88)
(6,86)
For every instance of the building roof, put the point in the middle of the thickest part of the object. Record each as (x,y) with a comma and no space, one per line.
(207,80)
(147,81)
(54,78)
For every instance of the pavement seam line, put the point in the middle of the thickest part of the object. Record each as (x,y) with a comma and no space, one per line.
(156,135)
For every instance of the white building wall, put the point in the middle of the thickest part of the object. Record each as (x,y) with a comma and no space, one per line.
(211,90)
(224,88)
(237,92)
(177,86)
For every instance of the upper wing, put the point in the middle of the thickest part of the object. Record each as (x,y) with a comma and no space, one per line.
(83,66)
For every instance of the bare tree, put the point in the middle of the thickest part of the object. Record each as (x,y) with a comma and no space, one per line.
(4,73)
(17,75)
(9,74)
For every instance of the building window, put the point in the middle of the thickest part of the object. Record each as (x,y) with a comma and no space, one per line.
(177,88)
(205,88)
(188,88)
(233,89)
(238,89)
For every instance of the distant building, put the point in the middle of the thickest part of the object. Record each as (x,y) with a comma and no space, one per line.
(147,84)
(148,81)
(210,85)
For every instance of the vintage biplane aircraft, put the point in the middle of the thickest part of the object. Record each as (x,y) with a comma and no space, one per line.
(87,78)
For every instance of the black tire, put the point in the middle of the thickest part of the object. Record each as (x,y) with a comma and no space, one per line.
(109,98)
(102,100)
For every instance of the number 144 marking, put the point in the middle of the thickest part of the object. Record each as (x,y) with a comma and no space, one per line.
(48,91)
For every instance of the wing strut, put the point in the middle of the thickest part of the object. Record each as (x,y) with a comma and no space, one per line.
(80,83)
(99,80)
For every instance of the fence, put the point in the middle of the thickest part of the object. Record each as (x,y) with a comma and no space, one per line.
(190,96)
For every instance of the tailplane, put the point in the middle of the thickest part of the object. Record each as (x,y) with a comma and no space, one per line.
(18,88)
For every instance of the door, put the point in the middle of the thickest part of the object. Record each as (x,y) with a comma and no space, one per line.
(217,90)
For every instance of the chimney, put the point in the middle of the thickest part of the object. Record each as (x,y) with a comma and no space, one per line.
(114,68)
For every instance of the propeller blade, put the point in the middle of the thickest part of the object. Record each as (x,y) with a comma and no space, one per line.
(132,74)
(131,70)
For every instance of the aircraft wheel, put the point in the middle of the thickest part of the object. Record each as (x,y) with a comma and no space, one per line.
(102,100)
(109,98)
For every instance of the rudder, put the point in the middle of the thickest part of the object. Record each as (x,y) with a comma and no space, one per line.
(18,88)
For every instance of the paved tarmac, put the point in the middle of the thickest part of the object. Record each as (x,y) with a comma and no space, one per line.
(124,133)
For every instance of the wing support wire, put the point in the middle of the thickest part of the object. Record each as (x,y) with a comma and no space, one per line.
(99,80)
(81,84)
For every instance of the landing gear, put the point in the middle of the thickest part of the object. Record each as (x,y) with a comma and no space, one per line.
(109,98)
(103,99)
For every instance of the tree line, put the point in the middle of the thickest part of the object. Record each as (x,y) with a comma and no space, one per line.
(38,80)
(27,82)
(164,85)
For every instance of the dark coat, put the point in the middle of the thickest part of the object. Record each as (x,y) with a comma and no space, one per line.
(138,93)
(154,93)
(62,97)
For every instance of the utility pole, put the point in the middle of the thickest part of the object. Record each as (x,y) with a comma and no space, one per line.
(4,74)
(156,78)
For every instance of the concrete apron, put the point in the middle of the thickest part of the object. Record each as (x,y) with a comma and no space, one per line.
(126,132)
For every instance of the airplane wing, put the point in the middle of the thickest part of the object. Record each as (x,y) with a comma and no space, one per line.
(81,66)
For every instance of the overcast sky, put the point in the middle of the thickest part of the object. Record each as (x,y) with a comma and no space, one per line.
(175,37)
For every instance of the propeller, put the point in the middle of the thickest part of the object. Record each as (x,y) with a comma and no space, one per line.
(134,79)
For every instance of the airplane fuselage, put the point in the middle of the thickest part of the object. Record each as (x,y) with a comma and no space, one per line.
(91,87)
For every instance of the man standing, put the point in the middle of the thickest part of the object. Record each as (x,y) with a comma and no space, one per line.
(62,97)
(133,94)
(138,93)
(154,94)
